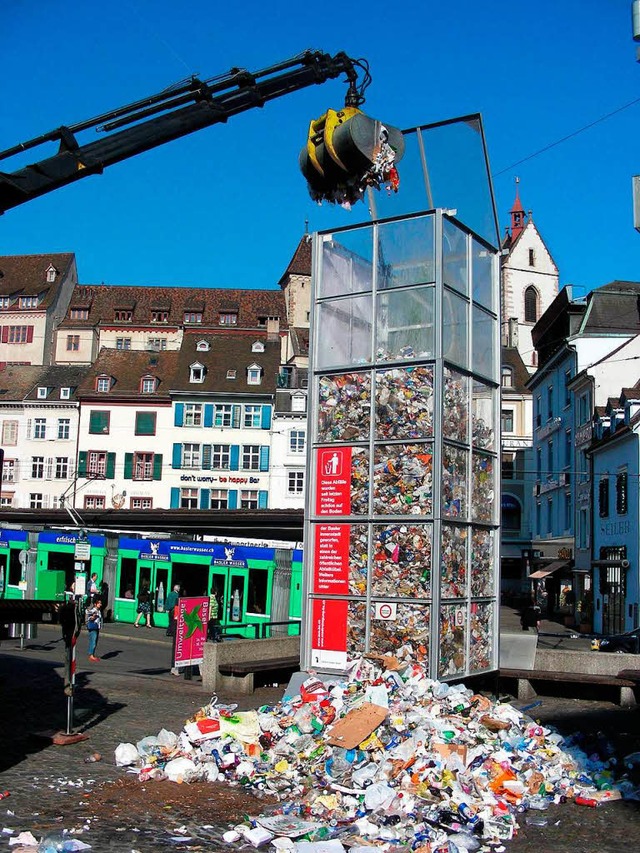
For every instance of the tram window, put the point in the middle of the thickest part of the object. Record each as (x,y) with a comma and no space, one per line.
(128,566)
(257,597)
(15,568)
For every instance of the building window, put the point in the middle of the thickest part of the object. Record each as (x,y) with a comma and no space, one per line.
(531,305)
(143,466)
(97,462)
(621,493)
(228,318)
(6,500)
(19,334)
(507,377)
(99,422)
(65,393)
(73,343)
(123,343)
(62,468)
(550,516)
(159,316)
(4,301)
(538,410)
(583,409)
(550,402)
(193,414)
(51,274)
(511,514)
(157,344)
(567,391)
(190,455)
(193,316)
(507,420)
(603,498)
(145,423)
(252,416)
(568,512)
(36,500)
(219,499)
(40,428)
(188,499)
(223,415)
(254,374)
(296,441)
(532,258)
(103,383)
(583,529)
(220,457)
(79,314)
(249,499)
(141,503)
(550,470)
(231,374)
(196,373)
(42,393)
(299,403)
(28,302)
(295,482)
(148,384)
(9,433)
(37,467)
(123,316)
(508,466)
(568,448)
(251,457)
(539,463)
(9,471)
(94,502)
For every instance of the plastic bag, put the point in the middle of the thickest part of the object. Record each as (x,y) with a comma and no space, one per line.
(126,755)
(181,769)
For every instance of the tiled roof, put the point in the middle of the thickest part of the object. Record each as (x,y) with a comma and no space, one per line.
(300,263)
(56,377)
(300,340)
(126,368)
(16,381)
(102,301)
(615,307)
(510,357)
(27,274)
(230,352)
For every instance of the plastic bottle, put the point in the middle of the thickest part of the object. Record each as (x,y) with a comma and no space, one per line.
(235,606)
(53,842)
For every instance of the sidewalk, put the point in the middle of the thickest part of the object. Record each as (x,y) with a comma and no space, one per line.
(128,631)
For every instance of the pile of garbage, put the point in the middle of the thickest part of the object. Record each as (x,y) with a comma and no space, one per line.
(385,757)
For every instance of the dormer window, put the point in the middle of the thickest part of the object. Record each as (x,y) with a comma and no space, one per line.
(257,346)
(196,372)
(203,346)
(193,316)
(103,383)
(254,374)
(298,403)
(159,316)
(52,272)
(231,374)
(65,393)
(148,384)
(28,302)
(4,301)
(79,314)
(43,393)
(228,318)
(123,315)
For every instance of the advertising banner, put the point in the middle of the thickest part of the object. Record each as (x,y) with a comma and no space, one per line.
(191,630)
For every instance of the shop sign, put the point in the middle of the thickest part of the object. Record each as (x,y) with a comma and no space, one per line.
(191,630)
(329,633)
(230,558)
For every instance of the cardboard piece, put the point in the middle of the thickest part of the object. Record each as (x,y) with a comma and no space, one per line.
(446,750)
(356,725)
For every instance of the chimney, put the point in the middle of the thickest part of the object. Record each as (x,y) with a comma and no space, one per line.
(513,332)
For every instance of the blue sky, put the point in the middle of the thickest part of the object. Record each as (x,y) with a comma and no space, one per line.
(226,207)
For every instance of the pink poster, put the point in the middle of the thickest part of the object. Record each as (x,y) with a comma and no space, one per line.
(191,630)
(331,559)
(333,481)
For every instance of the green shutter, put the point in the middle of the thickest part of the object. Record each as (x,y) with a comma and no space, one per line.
(128,466)
(157,466)
(82,463)
(98,423)
(145,423)
(111,466)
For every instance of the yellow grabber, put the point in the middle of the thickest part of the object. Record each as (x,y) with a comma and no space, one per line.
(321,130)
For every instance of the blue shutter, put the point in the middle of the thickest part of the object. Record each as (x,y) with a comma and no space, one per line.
(234,457)
(176,461)
(205,501)
(208,414)
(175,497)
(266,417)
(262,499)
(178,414)
(264,457)
(232,499)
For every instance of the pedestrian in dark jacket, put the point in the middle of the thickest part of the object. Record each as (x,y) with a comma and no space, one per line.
(144,605)
(531,617)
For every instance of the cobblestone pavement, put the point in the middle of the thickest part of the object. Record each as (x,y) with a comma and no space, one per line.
(52,786)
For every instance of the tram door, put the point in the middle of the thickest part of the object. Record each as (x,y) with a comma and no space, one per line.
(231,587)
(156,576)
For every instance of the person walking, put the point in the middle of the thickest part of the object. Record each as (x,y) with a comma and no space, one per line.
(93,618)
(214,634)
(94,589)
(144,606)
(171,604)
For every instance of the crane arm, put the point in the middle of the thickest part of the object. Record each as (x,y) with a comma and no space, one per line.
(178,111)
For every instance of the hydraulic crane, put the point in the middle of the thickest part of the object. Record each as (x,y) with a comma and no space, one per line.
(346,150)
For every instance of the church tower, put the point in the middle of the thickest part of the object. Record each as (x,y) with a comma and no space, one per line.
(529,282)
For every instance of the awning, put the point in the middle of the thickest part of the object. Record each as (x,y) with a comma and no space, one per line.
(550,569)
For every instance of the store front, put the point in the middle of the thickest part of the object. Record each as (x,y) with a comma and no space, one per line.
(13,550)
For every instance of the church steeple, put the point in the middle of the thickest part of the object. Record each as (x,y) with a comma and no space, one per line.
(517,215)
